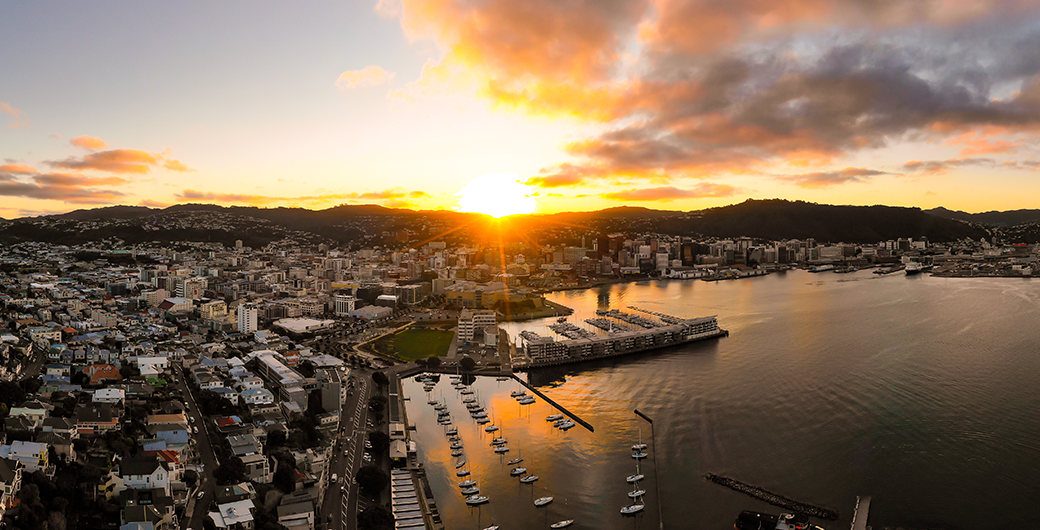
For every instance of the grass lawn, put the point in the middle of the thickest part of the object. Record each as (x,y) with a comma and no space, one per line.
(415,343)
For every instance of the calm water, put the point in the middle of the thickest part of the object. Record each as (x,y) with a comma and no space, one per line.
(920,392)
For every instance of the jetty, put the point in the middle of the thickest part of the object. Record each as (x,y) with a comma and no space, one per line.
(550,401)
(859,517)
(775,499)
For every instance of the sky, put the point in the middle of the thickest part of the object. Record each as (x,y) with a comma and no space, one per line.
(570,104)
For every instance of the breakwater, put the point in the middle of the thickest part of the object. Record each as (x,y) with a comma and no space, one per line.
(773,498)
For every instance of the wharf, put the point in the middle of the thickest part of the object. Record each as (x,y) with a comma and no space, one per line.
(859,517)
(559,407)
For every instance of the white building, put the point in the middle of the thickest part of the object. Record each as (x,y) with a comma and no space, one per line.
(345,304)
(145,473)
(192,288)
(470,321)
(248,316)
(32,455)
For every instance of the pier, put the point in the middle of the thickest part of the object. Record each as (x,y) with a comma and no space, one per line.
(859,517)
(559,407)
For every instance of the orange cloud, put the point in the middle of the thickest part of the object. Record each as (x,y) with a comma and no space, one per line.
(152,204)
(90,143)
(114,161)
(938,167)
(393,196)
(371,75)
(176,165)
(18,119)
(669,193)
(18,168)
(59,187)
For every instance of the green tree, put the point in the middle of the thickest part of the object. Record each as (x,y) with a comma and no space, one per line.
(190,477)
(276,438)
(375,517)
(372,479)
(433,362)
(231,471)
(285,476)
(380,379)
(377,403)
(380,441)
(467,363)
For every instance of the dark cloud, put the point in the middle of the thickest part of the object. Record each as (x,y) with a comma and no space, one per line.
(826,179)
(668,193)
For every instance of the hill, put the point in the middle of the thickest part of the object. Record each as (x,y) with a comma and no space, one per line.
(367,225)
(991,218)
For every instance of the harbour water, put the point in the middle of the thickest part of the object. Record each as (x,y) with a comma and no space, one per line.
(918,391)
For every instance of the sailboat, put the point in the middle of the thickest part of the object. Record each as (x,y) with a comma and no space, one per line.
(528,479)
(518,459)
(542,501)
(632,479)
(632,509)
(562,524)
(639,446)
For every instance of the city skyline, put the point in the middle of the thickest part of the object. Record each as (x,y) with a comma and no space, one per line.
(583,105)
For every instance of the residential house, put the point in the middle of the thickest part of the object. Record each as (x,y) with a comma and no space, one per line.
(100,374)
(96,417)
(33,411)
(33,456)
(10,484)
(145,472)
(237,515)
(114,396)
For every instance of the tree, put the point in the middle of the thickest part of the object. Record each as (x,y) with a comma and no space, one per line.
(433,362)
(380,441)
(377,403)
(467,363)
(190,477)
(380,379)
(276,438)
(375,517)
(80,378)
(285,475)
(372,479)
(231,471)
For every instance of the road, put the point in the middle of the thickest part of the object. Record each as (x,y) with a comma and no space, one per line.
(196,509)
(346,459)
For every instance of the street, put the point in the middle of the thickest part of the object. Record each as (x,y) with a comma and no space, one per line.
(346,460)
(196,509)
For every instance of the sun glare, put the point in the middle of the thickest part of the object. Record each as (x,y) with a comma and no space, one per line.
(497,195)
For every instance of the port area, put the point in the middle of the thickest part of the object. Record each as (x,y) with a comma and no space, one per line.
(626,333)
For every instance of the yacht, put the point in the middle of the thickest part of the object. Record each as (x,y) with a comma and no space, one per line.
(469,400)
(491,428)
(483,421)
(479,415)
(528,479)
(567,425)
(492,527)
(460,463)
(517,393)
(632,509)
(517,471)
(457,452)
(635,494)
(467,391)
(554,417)
(462,473)
(452,432)
(476,499)
(499,441)
(456,445)
(472,490)
(542,501)
(639,455)
(516,461)
(467,483)
(501,449)
(562,524)
(639,446)
(454,439)
(526,400)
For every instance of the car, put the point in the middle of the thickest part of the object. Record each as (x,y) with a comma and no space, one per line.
(196,429)
(200,495)
(334,478)
(191,419)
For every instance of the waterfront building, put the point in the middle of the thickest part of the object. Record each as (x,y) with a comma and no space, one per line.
(470,321)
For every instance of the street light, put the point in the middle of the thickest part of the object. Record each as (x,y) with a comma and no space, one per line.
(657,474)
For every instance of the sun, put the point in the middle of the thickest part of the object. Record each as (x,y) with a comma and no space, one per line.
(497,195)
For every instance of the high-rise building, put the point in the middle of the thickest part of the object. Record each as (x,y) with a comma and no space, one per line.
(248,315)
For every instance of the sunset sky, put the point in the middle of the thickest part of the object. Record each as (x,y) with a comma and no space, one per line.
(588,104)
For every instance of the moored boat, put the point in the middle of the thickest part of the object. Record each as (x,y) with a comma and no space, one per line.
(562,524)
(542,501)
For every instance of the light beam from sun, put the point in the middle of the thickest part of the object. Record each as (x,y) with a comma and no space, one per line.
(497,195)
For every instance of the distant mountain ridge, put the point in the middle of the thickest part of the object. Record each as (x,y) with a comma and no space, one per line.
(991,218)
(772,219)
